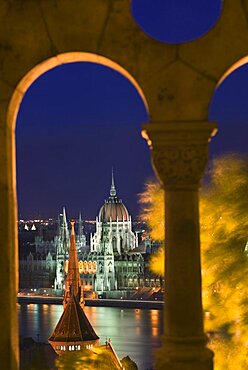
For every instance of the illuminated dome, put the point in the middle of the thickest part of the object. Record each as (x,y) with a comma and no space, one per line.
(113,207)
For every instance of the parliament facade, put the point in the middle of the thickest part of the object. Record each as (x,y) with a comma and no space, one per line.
(115,260)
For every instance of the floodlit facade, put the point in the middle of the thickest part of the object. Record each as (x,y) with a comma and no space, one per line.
(113,227)
(42,259)
(62,248)
(111,245)
(114,260)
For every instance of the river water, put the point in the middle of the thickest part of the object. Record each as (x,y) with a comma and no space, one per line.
(133,332)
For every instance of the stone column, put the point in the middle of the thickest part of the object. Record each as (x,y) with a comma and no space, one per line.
(9,348)
(179,155)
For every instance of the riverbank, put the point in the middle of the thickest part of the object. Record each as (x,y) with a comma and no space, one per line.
(122,303)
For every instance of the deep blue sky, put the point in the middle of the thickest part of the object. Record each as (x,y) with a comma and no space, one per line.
(175,21)
(78,120)
(75,123)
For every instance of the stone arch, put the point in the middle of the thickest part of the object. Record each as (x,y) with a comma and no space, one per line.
(55,61)
(8,114)
(230,92)
(159,68)
(238,64)
(178,82)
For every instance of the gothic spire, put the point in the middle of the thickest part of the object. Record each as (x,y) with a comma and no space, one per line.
(64,221)
(112,189)
(63,231)
(73,330)
(80,226)
(73,285)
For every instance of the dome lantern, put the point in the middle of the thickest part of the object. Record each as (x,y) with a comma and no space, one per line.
(112,189)
(113,209)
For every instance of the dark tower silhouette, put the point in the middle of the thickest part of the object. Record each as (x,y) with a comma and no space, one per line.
(73,332)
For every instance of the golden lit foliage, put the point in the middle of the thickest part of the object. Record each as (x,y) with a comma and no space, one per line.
(157,261)
(153,212)
(224,234)
(152,200)
(100,358)
(229,355)
(86,360)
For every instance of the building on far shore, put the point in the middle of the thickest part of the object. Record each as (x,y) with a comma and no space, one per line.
(114,264)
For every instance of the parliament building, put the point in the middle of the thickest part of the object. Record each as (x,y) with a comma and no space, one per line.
(115,262)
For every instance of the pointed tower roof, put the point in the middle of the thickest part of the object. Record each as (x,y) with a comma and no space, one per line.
(73,286)
(80,226)
(63,227)
(73,326)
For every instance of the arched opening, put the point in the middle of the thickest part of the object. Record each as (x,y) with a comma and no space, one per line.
(48,65)
(112,135)
(229,108)
(56,61)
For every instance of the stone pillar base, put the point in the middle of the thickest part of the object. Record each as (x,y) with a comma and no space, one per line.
(180,152)
(184,354)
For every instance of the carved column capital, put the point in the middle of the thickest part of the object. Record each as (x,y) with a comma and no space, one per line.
(179,151)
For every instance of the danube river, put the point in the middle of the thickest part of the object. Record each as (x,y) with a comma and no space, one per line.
(133,332)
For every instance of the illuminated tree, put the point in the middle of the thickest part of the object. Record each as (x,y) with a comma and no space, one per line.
(152,200)
(101,358)
(86,360)
(153,212)
(224,235)
(224,225)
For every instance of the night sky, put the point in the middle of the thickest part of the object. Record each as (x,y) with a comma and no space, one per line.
(79,120)
(75,123)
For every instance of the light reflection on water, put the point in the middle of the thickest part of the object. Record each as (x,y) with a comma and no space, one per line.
(133,332)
